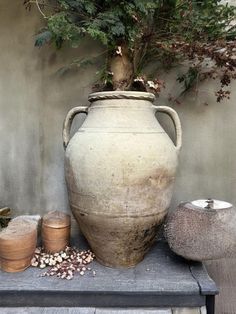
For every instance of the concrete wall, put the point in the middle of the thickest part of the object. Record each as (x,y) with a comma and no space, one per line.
(34,102)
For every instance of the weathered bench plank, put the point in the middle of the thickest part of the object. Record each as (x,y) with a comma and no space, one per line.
(161,280)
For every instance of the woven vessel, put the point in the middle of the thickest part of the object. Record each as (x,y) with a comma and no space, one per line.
(202,230)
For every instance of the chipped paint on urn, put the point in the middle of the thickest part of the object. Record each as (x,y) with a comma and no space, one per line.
(120,168)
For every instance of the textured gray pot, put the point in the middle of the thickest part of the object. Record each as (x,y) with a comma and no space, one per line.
(120,169)
(202,229)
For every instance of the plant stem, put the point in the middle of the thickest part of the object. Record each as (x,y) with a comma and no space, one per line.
(38,6)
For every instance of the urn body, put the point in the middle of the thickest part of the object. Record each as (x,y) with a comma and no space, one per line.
(120,168)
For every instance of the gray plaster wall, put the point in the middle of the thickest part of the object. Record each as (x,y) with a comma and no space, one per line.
(33,104)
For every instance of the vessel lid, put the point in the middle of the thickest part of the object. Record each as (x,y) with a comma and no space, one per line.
(211,204)
(19,228)
(56,219)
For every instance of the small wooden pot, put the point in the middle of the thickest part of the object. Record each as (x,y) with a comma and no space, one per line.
(56,231)
(17,245)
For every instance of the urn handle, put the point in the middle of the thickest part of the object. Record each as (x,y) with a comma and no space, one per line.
(175,118)
(68,122)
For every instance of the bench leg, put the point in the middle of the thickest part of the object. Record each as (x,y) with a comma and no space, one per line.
(210,304)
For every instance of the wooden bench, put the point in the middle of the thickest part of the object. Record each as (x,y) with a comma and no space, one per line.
(162,283)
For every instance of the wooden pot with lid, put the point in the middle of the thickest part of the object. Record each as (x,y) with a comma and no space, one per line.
(56,231)
(17,245)
(202,229)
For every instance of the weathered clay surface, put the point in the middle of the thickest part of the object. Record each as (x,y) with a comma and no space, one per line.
(120,168)
(198,233)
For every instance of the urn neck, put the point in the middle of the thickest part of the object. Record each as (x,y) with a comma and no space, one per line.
(132,110)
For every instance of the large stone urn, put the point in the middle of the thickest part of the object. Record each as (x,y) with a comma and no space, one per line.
(120,168)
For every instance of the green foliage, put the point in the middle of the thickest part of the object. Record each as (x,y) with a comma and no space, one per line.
(107,21)
(63,29)
(203,20)
(139,21)
(149,29)
(42,38)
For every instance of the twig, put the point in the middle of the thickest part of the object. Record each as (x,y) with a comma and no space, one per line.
(38,6)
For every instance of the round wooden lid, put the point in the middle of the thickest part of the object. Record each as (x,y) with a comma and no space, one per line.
(56,219)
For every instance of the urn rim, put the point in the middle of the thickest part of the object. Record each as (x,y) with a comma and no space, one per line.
(121,95)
